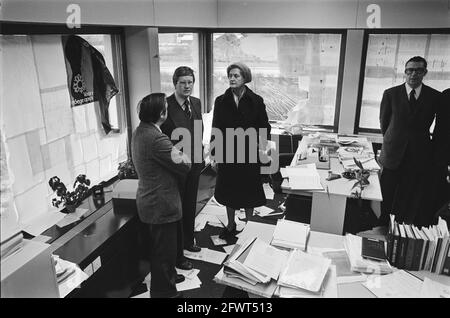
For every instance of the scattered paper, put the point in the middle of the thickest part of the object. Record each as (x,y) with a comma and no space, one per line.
(143,295)
(218,241)
(228,248)
(188,284)
(268,191)
(399,284)
(188,274)
(207,255)
(432,289)
(263,211)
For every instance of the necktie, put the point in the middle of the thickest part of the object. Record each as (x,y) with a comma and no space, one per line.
(187,110)
(412,99)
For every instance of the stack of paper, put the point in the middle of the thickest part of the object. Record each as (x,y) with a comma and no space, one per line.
(304,271)
(353,246)
(328,289)
(303,177)
(255,261)
(290,234)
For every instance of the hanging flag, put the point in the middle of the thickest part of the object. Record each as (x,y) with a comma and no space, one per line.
(88,78)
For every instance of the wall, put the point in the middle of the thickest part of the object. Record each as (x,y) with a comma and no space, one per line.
(44,136)
(235,13)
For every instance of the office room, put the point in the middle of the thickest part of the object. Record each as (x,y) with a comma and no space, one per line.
(225,149)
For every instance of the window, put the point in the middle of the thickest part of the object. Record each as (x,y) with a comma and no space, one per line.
(43,136)
(385,66)
(295,73)
(178,49)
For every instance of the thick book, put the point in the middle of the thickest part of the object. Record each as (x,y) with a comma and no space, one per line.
(411,247)
(446,266)
(402,247)
(417,249)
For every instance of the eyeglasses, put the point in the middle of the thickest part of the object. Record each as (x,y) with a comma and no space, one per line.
(419,71)
(186,83)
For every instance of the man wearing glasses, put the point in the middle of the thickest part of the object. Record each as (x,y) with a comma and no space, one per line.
(184,111)
(406,114)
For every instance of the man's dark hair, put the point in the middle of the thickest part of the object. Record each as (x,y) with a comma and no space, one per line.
(182,71)
(417,59)
(151,107)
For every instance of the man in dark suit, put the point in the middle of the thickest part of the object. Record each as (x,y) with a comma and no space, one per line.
(185,115)
(159,167)
(441,145)
(406,114)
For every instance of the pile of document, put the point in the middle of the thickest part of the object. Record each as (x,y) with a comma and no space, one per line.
(304,271)
(353,246)
(302,177)
(290,234)
(255,261)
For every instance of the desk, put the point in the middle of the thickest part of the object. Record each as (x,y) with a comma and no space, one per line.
(326,240)
(328,207)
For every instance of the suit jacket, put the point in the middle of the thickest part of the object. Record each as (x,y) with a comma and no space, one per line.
(154,157)
(176,118)
(403,127)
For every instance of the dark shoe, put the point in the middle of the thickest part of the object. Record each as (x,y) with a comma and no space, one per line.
(180,278)
(227,234)
(243,219)
(193,248)
(185,264)
(178,295)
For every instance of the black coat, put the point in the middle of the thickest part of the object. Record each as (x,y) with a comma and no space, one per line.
(404,128)
(239,185)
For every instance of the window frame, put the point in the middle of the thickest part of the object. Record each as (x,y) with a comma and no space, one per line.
(367,33)
(206,60)
(118,50)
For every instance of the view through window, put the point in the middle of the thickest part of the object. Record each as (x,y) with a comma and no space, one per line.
(178,49)
(295,73)
(385,66)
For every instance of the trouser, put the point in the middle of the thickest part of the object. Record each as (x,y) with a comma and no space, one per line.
(405,193)
(189,202)
(163,256)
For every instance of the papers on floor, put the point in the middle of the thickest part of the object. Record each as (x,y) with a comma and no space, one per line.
(353,246)
(399,284)
(327,290)
(207,255)
(290,234)
(263,211)
(305,271)
(303,177)
(268,191)
(217,240)
(191,281)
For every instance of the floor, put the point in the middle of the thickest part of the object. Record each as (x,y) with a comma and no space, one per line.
(210,289)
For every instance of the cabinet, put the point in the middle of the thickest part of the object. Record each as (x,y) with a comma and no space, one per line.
(29,273)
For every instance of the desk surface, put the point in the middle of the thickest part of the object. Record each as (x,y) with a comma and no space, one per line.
(339,186)
(325,240)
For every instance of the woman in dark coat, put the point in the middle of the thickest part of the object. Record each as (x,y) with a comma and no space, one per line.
(241,112)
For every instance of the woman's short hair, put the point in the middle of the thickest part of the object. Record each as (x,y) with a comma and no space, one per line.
(245,71)
(151,107)
(182,71)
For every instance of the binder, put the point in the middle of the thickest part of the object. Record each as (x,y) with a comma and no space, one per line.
(418,249)
(402,247)
(411,245)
